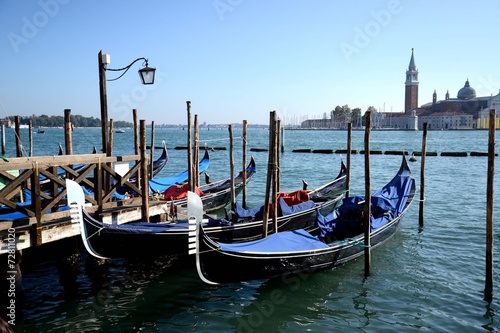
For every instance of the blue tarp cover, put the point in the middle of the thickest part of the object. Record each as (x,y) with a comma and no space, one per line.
(286,241)
(386,203)
(161,184)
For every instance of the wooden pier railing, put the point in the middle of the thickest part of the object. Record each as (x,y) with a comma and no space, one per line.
(35,188)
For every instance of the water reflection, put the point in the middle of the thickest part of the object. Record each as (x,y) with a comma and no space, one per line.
(303,300)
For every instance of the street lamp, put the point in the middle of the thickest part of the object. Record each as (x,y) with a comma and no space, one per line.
(147,75)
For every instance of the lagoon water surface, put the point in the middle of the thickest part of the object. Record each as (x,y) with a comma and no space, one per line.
(428,279)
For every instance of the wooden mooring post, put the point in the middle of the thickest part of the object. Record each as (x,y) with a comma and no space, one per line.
(19,146)
(349,147)
(277,168)
(136,141)
(68,132)
(111,137)
(3,140)
(274,169)
(271,165)
(244,191)
(30,132)
(488,290)
(152,151)
(196,153)
(367,211)
(282,141)
(136,131)
(189,148)
(144,174)
(231,168)
(422,177)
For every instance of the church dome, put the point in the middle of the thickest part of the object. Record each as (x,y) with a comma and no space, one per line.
(467,92)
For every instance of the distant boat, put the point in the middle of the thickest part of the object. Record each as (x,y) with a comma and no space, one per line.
(119,130)
(40,131)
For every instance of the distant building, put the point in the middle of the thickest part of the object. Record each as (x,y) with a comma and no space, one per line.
(6,122)
(466,111)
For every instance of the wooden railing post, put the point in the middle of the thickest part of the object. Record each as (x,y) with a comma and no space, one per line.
(36,203)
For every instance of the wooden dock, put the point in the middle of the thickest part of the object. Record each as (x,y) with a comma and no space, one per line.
(45,217)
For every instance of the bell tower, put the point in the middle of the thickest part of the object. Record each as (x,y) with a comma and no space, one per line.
(411,86)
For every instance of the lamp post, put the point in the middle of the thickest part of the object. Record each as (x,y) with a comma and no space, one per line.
(147,75)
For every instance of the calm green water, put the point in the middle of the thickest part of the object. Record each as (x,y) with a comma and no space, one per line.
(428,280)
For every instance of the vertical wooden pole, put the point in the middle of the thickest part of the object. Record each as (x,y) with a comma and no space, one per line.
(277,168)
(136,131)
(19,146)
(422,177)
(104,103)
(231,167)
(275,186)
(488,290)
(368,200)
(244,180)
(136,141)
(348,166)
(30,131)
(189,148)
(152,151)
(144,174)
(3,139)
(111,136)
(68,139)
(269,176)
(196,153)
(282,139)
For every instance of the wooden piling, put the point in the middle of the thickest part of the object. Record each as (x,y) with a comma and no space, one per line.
(422,177)
(189,148)
(367,211)
(282,139)
(277,180)
(144,173)
(274,168)
(19,146)
(111,136)
(103,102)
(244,180)
(196,153)
(3,140)
(348,166)
(136,131)
(231,168)
(270,162)
(136,141)
(30,132)
(488,290)
(152,151)
(68,138)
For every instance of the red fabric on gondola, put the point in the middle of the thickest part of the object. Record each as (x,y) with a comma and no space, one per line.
(293,198)
(178,192)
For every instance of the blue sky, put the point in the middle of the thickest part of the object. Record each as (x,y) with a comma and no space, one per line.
(240,59)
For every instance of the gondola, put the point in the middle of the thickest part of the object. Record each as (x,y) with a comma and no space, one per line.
(161,184)
(339,239)
(172,237)
(215,195)
(292,214)
(138,239)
